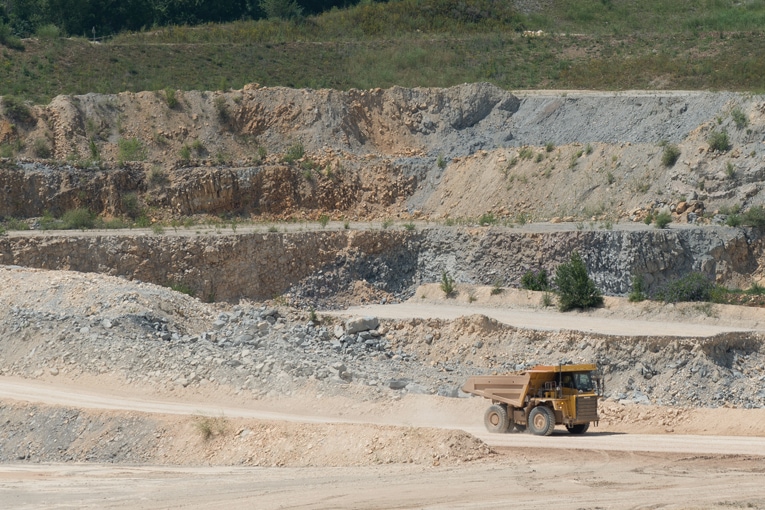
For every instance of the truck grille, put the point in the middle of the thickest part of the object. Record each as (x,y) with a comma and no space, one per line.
(587,409)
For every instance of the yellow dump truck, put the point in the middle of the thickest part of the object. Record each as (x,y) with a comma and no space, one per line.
(540,398)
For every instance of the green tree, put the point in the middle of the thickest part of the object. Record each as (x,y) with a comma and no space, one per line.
(575,288)
(281,9)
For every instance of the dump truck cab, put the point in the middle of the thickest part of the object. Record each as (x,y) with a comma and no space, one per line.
(540,398)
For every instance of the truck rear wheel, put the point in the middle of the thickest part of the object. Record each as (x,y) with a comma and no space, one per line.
(541,421)
(578,429)
(496,419)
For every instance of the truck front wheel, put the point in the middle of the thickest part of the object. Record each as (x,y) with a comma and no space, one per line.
(496,419)
(541,421)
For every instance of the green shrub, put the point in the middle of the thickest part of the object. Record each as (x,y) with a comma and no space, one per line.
(754,217)
(17,109)
(158,177)
(496,288)
(535,280)
(49,31)
(323,220)
(691,287)
(130,149)
(95,153)
(16,224)
(262,153)
(185,153)
(733,220)
(662,219)
(281,9)
(224,115)
(740,118)
(447,284)
(41,148)
(670,155)
(7,38)
(130,205)
(409,226)
(719,141)
(294,152)
(549,147)
(575,288)
(80,218)
(170,98)
(441,162)
(638,293)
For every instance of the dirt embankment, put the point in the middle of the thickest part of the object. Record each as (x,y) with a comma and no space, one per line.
(458,152)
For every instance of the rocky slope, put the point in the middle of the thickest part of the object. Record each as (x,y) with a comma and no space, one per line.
(322,268)
(458,152)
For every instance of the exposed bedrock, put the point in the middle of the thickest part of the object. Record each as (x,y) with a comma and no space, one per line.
(315,266)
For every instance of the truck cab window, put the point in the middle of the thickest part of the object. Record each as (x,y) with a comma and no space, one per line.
(583,382)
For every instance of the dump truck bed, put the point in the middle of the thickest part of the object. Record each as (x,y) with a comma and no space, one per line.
(508,389)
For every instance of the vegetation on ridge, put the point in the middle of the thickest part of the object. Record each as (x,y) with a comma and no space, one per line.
(593,44)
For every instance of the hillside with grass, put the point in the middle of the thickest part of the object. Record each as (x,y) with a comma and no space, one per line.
(542,44)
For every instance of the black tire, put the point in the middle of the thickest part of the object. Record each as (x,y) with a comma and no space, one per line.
(541,421)
(496,419)
(578,429)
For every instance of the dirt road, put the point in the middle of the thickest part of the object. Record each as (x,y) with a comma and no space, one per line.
(540,319)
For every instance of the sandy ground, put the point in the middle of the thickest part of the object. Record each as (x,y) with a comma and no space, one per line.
(602,469)
(638,456)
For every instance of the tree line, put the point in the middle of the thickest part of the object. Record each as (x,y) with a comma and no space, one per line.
(80,17)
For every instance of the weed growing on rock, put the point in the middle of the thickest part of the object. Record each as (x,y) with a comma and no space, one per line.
(588,149)
(670,155)
(41,148)
(294,152)
(158,177)
(719,141)
(183,288)
(441,162)
(409,226)
(323,220)
(447,284)
(730,170)
(662,220)
(130,149)
(547,300)
(526,153)
(638,293)
(387,222)
(17,109)
(273,228)
(487,219)
(497,288)
(171,99)
(209,427)
(739,117)
(754,217)
(262,153)
(549,147)
(346,225)
(610,179)
(575,287)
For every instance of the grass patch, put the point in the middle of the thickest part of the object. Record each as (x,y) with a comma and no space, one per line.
(130,149)
(719,141)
